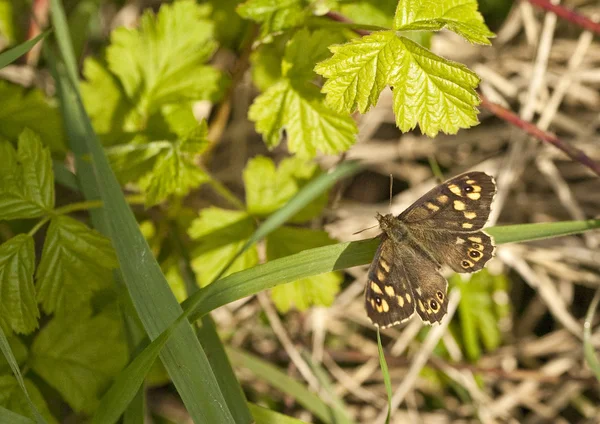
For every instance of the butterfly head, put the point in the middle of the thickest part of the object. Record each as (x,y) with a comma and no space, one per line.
(392,227)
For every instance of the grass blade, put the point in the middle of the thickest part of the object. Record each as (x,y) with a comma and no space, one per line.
(7,416)
(9,56)
(12,362)
(287,384)
(530,232)
(386,376)
(266,416)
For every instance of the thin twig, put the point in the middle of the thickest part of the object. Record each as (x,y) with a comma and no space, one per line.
(573,152)
(568,15)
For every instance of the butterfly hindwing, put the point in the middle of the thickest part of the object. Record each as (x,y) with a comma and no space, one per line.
(463,252)
(429,287)
(388,295)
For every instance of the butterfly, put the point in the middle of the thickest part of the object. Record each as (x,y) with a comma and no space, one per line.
(444,227)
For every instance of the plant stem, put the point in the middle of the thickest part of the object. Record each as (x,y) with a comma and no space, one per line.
(568,15)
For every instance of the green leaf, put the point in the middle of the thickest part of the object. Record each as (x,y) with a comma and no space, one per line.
(76,262)
(266,416)
(7,416)
(19,351)
(299,110)
(105,101)
(274,15)
(460,16)
(175,171)
(316,290)
(221,234)
(13,398)
(429,90)
(305,49)
(29,109)
(370,12)
(478,319)
(162,61)
(9,56)
(266,64)
(26,179)
(18,306)
(79,357)
(268,189)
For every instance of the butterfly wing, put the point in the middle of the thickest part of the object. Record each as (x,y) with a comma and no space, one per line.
(462,204)
(403,279)
(389,297)
(448,221)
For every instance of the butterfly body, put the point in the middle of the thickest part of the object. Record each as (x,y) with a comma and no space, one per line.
(442,227)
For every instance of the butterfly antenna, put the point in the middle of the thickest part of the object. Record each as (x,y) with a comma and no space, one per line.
(364,229)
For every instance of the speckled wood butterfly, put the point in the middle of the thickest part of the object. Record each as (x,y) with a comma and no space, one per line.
(442,227)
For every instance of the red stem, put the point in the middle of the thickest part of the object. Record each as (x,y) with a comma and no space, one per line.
(512,118)
(568,15)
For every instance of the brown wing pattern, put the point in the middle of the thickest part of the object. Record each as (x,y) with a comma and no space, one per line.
(460,204)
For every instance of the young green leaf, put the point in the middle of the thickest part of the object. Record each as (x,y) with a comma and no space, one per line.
(460,16)
(76,261)
(162,61)
(373,12)
(274,15)
(221,234)
(310,125)
(29,109)
(18,306)
(26,178)
(316,290)
(13,398)
(429,90)
(269,188)
(70,356)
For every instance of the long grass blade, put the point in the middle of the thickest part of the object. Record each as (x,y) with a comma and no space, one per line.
(588,346)
(9,56)
(386,376)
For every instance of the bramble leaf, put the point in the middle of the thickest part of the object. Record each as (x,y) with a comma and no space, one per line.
(164,167)
(431,91)
(274,15)
(18,306)
(79,357)
(26,178)
(162,61)
(317,290)
(29,109)
(310,125)
(296,106)
(268,189)
(13,398)
(76,261)
(221,234)
(459,16)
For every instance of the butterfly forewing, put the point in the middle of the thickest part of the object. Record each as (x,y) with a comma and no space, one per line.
(389,298)
(461,204)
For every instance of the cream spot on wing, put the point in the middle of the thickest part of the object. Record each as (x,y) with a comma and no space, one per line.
(400,301)
(475,239)
(385,305)
(471,181)
(470,215)
(389,290)
(442,198)
(384,264)
(432,207)
(459,206)
(379,308)
(408,298)
(373,303)
(455,189)
(467,226)
(476,188)
(421,307)
(418,290)
(474,196)
(460,240)
(380,275)
(375,288)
